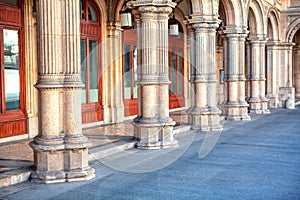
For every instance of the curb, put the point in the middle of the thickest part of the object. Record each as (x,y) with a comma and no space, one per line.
(15,176)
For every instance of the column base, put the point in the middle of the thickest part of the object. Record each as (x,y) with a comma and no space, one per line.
(264,106)
(76,160)
(80,174)
(255,106)
(48,177)
(272,101)
(76,165)
(155,135)
(236,112)
(48,161)
(204,120)
(55,163)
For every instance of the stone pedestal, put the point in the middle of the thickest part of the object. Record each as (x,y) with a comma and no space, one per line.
(153,126)
(286,93)
(235,106)
(60,149)
(204,114)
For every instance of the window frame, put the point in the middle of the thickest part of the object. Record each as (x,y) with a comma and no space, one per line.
(91,31)
(13,122)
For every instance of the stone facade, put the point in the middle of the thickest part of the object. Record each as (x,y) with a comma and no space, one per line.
(256,46)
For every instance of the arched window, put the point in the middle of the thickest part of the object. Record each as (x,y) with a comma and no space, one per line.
(90,52)
(176,73)
(130,72)
(12,72)
(176,65)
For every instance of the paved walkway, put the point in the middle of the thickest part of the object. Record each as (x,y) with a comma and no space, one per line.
(258,159)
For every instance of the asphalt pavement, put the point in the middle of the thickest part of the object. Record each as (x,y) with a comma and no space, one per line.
(257,159)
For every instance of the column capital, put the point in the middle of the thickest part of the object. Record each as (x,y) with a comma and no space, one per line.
(201,18)
(235,32)
(152,6)
(272,43)
(257,39)
(204,22)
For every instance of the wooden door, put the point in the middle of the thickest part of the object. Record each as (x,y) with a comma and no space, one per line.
(130,73)
(90,53)
(13,119)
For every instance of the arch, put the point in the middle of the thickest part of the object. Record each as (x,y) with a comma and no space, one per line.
(102,7)
(226,11)
(91,65)
(252,22)
(293,28)
(256,11)
(272,20)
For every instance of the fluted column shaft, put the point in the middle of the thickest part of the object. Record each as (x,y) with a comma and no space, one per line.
(204,114)
(235,107)
(258,102)
(272,74)
(60,149)
(153,126)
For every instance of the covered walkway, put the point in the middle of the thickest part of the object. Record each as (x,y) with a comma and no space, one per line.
(258,159)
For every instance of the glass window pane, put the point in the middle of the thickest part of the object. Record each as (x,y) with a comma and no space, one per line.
(13,2)
(135,71)
(127,79)
(180,77)
(169,62)
(82,16)
(11,69)
(173,73)
(91,13)
(93,56)
(83,70)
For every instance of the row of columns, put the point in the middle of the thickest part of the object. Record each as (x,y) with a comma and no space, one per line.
(60,149)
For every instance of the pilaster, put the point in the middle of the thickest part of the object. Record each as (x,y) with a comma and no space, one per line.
(113,103)
(153,126)
(31,68)
(204,115)
(236,107)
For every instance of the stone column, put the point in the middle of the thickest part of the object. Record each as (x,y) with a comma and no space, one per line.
(235,108)
(255,69)
(296,69)
(204,114)
(153,127)
(272,74)
(60,149)
(262,78)
(76,151)
(258,102)
(48,146)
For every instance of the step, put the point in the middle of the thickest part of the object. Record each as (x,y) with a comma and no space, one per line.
(15,176)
